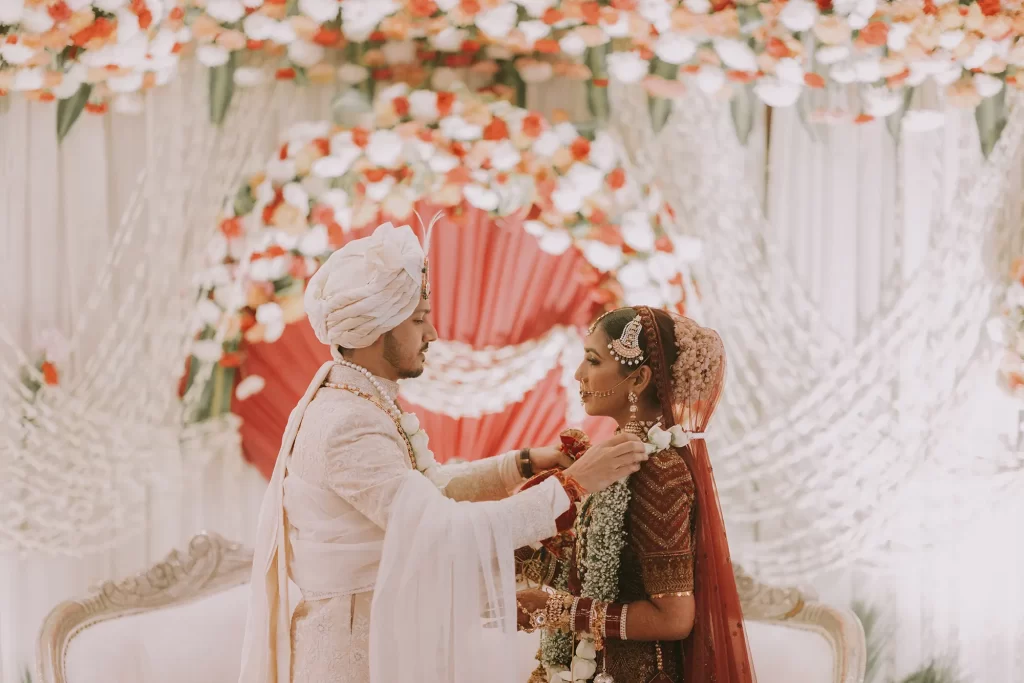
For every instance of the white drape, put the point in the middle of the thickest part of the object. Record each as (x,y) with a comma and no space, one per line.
(833,209)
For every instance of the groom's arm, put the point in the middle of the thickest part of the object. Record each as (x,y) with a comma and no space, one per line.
(487,479)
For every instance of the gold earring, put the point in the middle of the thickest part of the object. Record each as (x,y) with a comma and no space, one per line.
(632,405)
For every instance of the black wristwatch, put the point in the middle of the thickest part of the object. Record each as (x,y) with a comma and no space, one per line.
(525,466)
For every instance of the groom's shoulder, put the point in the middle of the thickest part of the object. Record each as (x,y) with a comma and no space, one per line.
(342,414)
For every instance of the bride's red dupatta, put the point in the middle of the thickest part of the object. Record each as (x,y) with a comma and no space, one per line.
(716,650)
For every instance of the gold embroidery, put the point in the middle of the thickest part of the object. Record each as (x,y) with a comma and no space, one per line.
(398,423)
(682,594)
(664,574)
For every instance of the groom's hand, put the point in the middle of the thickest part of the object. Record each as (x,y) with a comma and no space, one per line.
(608,461)
(548,458)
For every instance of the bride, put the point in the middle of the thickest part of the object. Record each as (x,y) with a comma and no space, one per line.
(639,587)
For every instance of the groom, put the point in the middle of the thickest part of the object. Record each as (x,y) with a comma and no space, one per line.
(355,485)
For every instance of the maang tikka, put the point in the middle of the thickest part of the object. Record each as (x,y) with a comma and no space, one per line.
(626,349)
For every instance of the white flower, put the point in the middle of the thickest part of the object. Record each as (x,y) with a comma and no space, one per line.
(534,71)
(442,162)
(337,164)
(586,649)
(315,242)
(497,22)
(679,437)
(212,55)
(16,53)
(688,249)
(843,73)
(378,191)
(481,197)
(457,128)
(996,329)
(127,83)
(410,423)
(698,6)
(29,79)
(208,312)
(271,316)
(36,21)
(674,48)
(620,29)
(983,52)
(320,11)
(736,54)
(790,71)
(259,26)
(777,93)
(633,275)
(899,33)
(637,231)
(295,195)
(11,11)
(359,18)
(399,52)
(710,79)
(250,386)
(948,40)
(798,15)
(627,67)
(305,54)
(225,11)
(585,178)
(450,39)
(604,257)
(583,669)
(987,85)
(423,105)
(505,156)
(567,199)
(208,350)
(534,30)
(659,438)
(572,45)
(249,76)
(554,242)
(420,443)
(868,70)
(832,54)
(603,152)
(546,144)
(881,102)
(384,148)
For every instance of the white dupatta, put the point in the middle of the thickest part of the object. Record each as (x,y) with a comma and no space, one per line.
(267,649)
(444,608)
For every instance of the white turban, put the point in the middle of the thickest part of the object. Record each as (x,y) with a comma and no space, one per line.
(366,288)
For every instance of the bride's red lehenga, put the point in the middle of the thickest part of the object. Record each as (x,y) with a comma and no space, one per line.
(676,543)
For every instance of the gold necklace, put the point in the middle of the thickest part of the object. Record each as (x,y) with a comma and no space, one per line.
(397,420)
(638,428)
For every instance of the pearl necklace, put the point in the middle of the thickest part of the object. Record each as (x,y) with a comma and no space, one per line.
(391,405)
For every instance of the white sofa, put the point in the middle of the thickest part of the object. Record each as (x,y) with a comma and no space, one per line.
(182,622)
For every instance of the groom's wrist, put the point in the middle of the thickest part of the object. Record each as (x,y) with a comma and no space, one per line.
(526,469)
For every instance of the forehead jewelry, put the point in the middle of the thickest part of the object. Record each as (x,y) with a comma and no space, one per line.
(626,349)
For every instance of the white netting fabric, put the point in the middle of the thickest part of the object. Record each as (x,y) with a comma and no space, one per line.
(828,447)
(75,459)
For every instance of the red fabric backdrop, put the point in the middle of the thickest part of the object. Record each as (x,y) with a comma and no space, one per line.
(491,286)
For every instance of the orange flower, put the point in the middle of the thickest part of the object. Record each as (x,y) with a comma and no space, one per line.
(360,137)
(497,129)
(401,105)
(814,80)
(458,176)
(617,179)
(863,118)
(375,175)
(469,7)
(422,8)
(664,243)
(874,34)
(533,125)
(59,12)
(445,101)
(552,16)
(327,37)
(285,74)
(989,7)
(580,148)
(547,46)
(231,227)
(232,359)
(1017,270)
(591,13)
(776,48)
(741,76)
(50,375)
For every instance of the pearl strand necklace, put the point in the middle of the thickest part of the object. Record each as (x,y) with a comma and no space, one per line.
(395,410)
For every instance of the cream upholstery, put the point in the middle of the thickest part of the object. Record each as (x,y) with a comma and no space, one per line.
(182,622)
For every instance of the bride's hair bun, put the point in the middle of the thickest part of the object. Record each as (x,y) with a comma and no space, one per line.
(697,369)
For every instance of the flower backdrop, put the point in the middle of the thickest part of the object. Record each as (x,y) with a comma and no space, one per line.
(456,150)
(871,55)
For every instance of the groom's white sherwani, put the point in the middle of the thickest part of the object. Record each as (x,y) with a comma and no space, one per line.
(347,464)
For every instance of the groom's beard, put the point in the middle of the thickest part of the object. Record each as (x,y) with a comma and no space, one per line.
(405,368)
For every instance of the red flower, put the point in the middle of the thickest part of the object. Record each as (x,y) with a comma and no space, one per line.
(617,178)
(445,101)
(814,80)
(50,374)
(323,145)
(580,148)
(401,105)
(327,37)
(552,16)
(59,12)
(232,359)
(231,227)
(285,74)
(360,137)
(533,124)
(497,129)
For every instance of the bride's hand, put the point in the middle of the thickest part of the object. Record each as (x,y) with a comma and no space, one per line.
(529,601)
(548,458)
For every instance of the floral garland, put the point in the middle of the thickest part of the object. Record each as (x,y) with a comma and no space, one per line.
(455,149)
(601,536)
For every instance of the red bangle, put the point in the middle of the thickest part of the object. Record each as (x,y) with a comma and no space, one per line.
(571,486)
(582,622)
(613,621)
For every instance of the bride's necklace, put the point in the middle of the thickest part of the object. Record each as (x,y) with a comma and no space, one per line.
(638,428)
